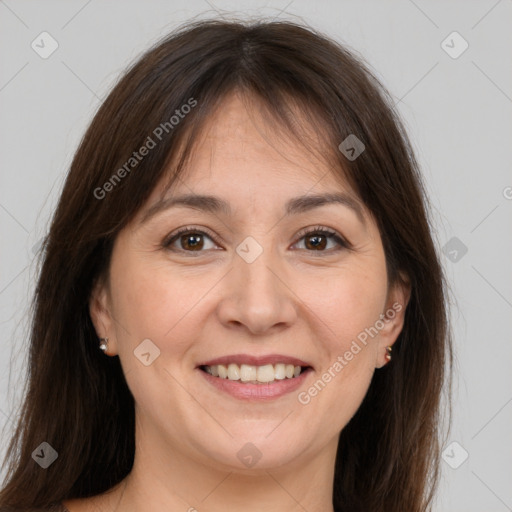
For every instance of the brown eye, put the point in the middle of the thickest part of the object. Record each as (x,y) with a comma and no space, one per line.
(317,240)
(193,242)
(189,240)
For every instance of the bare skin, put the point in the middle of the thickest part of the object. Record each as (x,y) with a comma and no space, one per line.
(203,301)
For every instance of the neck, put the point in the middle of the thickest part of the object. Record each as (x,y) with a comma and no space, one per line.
(174,480)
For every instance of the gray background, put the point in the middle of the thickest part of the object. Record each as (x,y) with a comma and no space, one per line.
(457,111)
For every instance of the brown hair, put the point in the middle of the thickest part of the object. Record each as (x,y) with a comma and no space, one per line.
(78,400)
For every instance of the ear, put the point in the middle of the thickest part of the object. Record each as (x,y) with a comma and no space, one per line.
(393,317)
(99,309)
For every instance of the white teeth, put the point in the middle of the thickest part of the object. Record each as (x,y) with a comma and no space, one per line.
(280,371)
(223,371)
(233,372)
(248,372)
(254,374)
(266,373)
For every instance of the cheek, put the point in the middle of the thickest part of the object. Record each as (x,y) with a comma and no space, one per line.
(137,302)
(346,308)
(151,301)
(143,302)
(346,302)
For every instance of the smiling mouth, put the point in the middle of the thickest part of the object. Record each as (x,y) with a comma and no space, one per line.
(251,374)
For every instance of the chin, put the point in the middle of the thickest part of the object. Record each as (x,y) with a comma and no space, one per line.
(253,453)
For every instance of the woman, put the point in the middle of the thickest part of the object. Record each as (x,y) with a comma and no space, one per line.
(240,304)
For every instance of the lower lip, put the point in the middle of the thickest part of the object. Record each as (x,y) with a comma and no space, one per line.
(268,391)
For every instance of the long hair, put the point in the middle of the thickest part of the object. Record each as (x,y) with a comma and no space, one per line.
(77,399)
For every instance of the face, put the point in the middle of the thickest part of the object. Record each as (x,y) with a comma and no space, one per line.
(267,284)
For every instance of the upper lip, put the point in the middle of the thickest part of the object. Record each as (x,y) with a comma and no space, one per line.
(255,360)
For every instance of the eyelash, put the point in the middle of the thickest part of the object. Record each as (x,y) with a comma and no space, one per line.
(321,230)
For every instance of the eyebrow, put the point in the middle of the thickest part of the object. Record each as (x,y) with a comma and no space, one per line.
(216,205)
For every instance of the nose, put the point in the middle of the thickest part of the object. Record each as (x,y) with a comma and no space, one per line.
(258,296)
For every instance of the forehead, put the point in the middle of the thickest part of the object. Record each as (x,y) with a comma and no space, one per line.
(241,143)
(248,168)
(245,156)
(242,133)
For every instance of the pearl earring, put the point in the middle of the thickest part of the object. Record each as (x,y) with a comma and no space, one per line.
(104,344)
(388,355)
